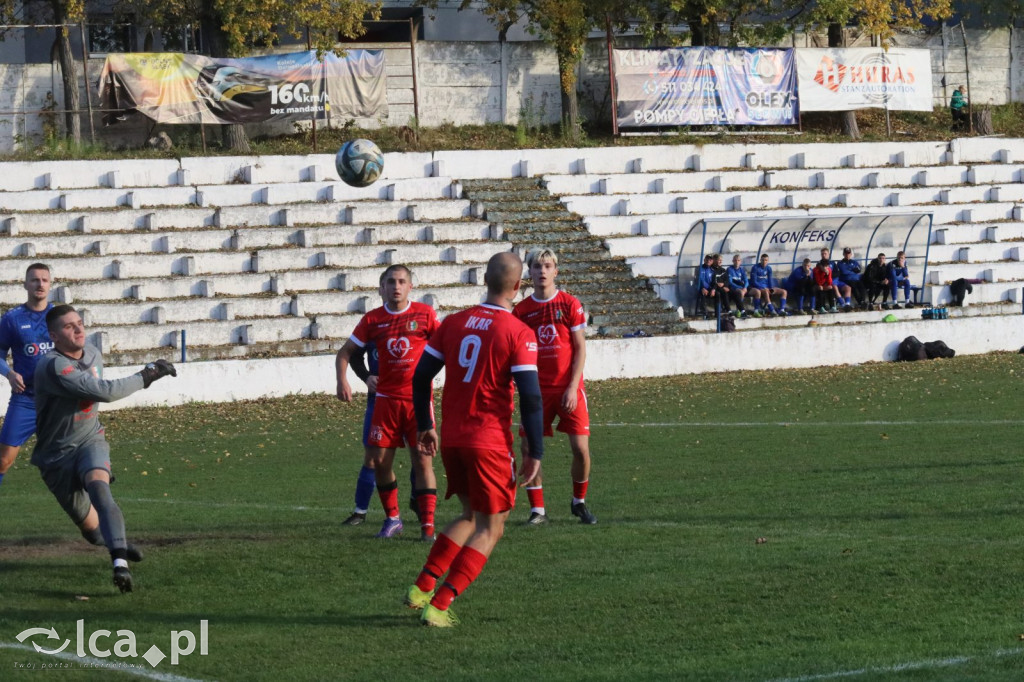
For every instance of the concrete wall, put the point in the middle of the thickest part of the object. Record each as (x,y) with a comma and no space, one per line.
(231,380)
(491,82)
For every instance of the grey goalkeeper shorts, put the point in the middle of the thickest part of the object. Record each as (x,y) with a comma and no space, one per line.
(66,478)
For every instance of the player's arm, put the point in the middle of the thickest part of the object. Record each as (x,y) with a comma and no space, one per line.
(16,381)
(422,396)
(531,411)
(358,363)
(70,381)
(341,363)
(579,358)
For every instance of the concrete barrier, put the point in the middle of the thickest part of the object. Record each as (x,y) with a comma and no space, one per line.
(231,380)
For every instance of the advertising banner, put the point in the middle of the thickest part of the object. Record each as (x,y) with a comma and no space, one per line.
(844,79)
(705,86)
(189,88)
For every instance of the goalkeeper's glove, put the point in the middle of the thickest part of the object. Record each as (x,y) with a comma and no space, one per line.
(157,370)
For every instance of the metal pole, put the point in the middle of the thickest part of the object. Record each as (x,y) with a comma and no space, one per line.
(413,30)
(611,73)
(970,93)
(85,72)
(312,115)
(184,349)
(202,136)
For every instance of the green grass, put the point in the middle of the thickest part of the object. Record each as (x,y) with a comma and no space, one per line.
(889,496)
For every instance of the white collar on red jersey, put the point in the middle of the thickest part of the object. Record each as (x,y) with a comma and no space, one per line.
(408,304)
(545,300)
(494,307)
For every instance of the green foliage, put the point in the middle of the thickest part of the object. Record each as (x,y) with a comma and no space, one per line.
(887,495)
(878,17)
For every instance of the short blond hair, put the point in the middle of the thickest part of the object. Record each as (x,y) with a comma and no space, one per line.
(541,253)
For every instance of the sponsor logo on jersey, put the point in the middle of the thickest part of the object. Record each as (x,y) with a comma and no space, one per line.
(399,347)
(26,326)
(480,323)
(34,349)
(67,370)
(547,334)
(531,346)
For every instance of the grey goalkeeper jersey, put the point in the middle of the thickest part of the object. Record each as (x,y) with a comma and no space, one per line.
(67,391)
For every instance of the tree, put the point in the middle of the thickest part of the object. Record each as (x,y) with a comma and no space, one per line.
(882,18)
(233,27)
(54,12)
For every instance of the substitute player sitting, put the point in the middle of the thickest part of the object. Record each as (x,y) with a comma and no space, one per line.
(560,324)
(399,329)
(483,350)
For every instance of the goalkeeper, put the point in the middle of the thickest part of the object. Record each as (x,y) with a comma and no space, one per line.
(71,450)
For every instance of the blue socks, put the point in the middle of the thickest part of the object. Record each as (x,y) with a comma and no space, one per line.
(365,486)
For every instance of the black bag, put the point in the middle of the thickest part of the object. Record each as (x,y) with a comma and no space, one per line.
(938,349)
(728,324)
(911,349)
(959,289)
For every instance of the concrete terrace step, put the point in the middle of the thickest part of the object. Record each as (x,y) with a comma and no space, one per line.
(126,220)
(130,266)
(985,252)
(213,239)
(363,279)
(754,180)
(176,311)
(992,231)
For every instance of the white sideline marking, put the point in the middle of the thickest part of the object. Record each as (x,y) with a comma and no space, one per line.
(101,664)
(230,505)
(906,422)
(929,664)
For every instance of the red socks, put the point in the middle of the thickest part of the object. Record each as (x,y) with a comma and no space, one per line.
(389,498)
(464,570)
(442,553)
(428,503)
(536,496)
(579,489)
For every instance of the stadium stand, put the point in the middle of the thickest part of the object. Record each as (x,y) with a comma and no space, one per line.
(269,256)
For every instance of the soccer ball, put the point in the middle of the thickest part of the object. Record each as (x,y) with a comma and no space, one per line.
(359,163)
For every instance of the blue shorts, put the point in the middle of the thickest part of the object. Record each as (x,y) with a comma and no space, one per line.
(20,422)
(371,398)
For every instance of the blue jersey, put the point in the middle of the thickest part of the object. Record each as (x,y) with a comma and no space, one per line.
(371,358)
(23,332)
(737,277)
(706,277)
(761,277)
(797,276)
(847,270)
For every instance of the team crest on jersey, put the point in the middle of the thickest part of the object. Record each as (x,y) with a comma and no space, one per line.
(413,326)
(376,434)
(558,314)
(399,347)
(547,334)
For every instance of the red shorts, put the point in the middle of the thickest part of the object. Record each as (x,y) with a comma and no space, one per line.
(576,423)
(486,477)
(393,424)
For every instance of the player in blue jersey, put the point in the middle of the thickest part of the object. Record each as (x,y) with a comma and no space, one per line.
(848,279)
(23,333)
(737,283)
(762,286)
(366,483)
(800,285)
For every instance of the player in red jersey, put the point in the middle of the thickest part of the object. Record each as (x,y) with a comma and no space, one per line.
(560,324)
(400,329)
(483,350)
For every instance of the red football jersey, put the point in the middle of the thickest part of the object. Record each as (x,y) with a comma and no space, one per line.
(554,321)
(400,338)
(481,347)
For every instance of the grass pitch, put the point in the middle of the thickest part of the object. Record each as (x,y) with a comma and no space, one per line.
(888,497)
